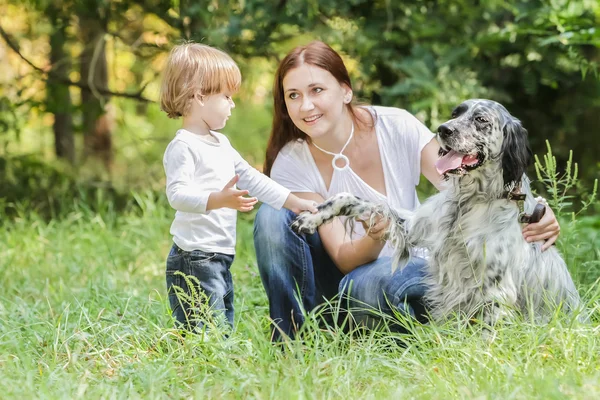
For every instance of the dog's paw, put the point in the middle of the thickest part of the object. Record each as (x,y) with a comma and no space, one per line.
(306,222)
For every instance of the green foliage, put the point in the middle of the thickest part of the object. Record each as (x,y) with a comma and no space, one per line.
(579,240)
(8,120)
(29,185)
(539,58)
(560,185)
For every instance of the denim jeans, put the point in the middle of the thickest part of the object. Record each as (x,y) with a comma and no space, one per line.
(200,288)
(298,275)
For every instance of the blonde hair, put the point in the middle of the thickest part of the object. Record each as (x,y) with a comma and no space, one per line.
(193,68)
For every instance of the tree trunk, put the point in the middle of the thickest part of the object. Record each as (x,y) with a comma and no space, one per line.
(58,99)
(97,122)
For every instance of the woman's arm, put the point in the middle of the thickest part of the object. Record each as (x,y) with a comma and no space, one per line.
(345,252)
(429,156)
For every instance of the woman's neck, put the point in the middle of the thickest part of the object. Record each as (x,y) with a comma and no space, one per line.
(337,138)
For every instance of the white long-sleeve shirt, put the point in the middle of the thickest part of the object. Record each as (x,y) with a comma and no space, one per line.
(195,168)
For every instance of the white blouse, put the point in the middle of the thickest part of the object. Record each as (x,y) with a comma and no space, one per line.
(401,138)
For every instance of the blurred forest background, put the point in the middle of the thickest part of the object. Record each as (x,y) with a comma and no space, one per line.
(84,222)
(79,79)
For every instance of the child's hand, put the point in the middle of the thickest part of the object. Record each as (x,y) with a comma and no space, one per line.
(297,205)
(230,197)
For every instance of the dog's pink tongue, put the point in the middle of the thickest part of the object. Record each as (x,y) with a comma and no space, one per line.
(450,161)
(470,160)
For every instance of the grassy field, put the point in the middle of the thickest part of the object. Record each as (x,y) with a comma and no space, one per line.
(84,313)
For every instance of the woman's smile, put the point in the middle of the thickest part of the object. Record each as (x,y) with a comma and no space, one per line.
(312,119)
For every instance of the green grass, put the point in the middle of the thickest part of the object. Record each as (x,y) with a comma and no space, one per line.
(83,314)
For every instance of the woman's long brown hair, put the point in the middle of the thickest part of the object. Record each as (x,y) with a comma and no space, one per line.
(283,130)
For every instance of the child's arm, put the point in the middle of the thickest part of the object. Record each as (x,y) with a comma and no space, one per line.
(230,197)
(182,193)
(297,205)
(267,190)
(185,196)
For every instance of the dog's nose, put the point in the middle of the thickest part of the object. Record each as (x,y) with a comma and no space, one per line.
(445,131)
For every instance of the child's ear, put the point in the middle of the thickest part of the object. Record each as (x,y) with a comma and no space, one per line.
(198,96)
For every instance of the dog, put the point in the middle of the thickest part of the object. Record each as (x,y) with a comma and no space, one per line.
(479,262)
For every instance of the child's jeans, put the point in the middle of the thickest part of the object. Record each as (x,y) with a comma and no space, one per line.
(200,288)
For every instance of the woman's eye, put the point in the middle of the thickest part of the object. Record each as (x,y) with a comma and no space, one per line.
(293,96)
(318,90)
(481,120)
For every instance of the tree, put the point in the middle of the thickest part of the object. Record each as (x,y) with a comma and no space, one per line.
(93,18)
(58,98)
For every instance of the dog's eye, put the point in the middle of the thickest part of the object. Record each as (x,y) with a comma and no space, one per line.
(481,120)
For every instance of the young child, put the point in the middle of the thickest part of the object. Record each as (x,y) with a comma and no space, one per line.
(202,170)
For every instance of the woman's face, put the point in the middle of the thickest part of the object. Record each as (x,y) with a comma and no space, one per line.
(315,100)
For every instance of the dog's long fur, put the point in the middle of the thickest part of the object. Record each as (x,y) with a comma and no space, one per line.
(478,258)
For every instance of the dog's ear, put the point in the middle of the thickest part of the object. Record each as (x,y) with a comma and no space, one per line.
(516,153)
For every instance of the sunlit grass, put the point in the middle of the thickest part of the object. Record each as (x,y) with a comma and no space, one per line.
(83,313)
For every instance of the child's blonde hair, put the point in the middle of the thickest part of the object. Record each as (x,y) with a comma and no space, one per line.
(196,68)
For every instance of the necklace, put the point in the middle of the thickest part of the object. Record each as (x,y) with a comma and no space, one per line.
(339,156)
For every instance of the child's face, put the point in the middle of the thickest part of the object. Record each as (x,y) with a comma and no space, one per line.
(216,110)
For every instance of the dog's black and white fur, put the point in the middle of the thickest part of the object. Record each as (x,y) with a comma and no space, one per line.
(478,258)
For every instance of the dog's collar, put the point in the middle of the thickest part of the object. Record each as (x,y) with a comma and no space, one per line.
(515,195)
(524,218)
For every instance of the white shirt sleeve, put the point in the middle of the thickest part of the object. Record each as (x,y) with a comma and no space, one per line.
(259,185)
(415,137)
(182,193)
(290,171)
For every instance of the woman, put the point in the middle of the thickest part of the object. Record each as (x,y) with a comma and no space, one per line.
(322,144)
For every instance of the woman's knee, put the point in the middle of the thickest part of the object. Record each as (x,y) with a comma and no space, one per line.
(409,283)
(273,238)
(365,284)
(267,218)
(271,225)
(375,284)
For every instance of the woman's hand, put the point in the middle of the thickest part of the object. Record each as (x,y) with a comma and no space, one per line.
(378,230)
(546,229)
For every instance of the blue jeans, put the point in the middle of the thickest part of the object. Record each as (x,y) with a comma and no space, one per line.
(298,274)
(200,288)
